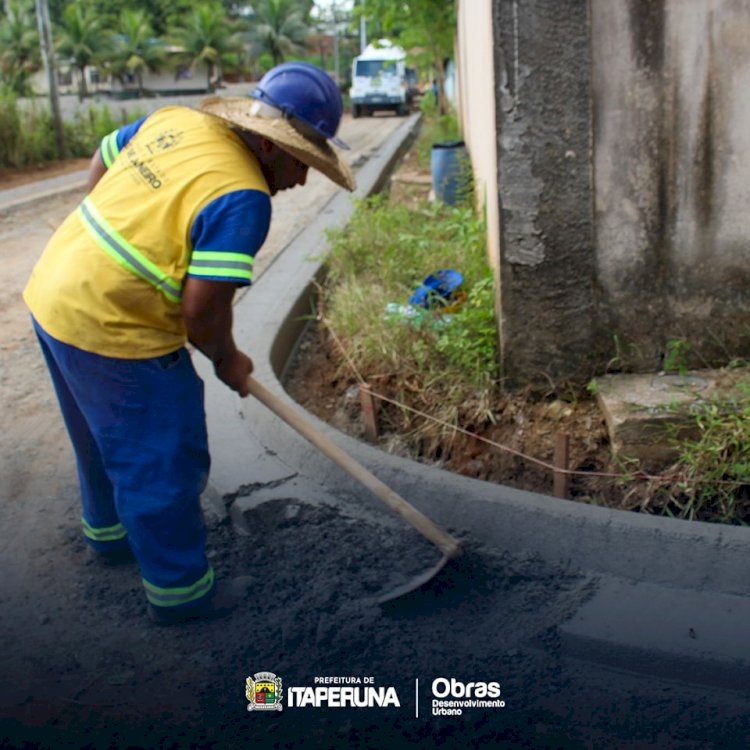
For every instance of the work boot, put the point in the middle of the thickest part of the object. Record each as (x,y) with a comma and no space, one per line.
(224,600)
(110,558)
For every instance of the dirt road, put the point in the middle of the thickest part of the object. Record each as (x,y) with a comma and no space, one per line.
(33,448)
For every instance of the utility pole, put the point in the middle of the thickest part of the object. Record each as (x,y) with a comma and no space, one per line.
(335,42)
(362,29)
(48,57)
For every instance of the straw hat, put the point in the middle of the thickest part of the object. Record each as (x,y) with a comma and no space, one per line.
(270,123)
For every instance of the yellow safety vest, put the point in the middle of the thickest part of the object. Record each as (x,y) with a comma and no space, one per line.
(110,279)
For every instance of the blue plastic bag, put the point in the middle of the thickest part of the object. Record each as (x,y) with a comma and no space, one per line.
(437,289)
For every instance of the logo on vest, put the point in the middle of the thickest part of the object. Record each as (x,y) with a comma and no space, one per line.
(165,140)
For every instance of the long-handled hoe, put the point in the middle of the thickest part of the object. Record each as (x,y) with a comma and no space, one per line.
(448,545)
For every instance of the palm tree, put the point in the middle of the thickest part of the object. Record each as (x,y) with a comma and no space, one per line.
(19,46)
(83,40)
(205,37)
(136,48)
(279,27)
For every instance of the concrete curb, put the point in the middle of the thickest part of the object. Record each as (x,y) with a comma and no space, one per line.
(20,196)
(702,566)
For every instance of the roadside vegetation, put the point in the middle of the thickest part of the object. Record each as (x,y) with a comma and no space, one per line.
(441,359)
(25,132)
(437,369)
(710,478)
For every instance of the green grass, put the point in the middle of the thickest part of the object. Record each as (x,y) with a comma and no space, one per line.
(445,363)
(714,468)
(83,134)
(27,134)
(380,258)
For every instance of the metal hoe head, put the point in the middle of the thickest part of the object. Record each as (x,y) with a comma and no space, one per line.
(447,544)
(418,581)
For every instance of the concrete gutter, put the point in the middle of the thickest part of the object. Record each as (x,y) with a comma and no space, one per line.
(675,590)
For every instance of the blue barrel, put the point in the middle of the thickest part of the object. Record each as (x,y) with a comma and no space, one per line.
(448,161)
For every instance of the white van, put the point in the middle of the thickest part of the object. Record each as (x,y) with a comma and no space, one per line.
(381,80)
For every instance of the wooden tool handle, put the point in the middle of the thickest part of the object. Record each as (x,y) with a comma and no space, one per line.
(447,544)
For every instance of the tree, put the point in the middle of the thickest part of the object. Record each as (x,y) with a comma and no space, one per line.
(56,8)
(205,37)
(164,14)
(19,46)
(161,14)
(279,27)
(423,25)
(82,40)
(136,48)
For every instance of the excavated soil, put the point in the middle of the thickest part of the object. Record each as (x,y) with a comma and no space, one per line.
(525,423)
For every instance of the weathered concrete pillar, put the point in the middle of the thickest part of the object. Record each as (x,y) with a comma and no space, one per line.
(544,130)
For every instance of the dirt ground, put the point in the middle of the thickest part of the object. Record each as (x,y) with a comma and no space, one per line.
(81,666)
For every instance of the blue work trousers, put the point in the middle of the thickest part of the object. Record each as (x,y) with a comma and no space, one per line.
(138,428)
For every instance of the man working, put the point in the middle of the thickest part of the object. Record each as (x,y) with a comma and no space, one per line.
(178,206)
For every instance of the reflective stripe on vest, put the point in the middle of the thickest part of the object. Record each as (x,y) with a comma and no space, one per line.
(174,597)
(213,263)
(120,250)
(105,534)
(109,149)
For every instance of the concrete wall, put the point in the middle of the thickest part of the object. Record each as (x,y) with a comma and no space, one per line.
(476,105)
(672,165)
(623,168)
(68,81)
(128,108)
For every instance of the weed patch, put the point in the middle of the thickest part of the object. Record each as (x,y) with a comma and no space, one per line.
(710,480)
(26,133)
(380,258)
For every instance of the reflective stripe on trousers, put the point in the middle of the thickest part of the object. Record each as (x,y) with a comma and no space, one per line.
(139,433)
(103,533)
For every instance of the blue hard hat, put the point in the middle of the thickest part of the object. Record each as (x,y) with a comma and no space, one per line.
(306,95)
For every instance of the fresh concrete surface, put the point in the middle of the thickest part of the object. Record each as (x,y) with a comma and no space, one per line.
(689,635)
(661,566)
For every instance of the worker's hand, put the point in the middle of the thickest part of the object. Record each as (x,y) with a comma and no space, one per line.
(234,370)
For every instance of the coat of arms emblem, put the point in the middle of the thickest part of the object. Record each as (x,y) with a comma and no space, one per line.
(264,692)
